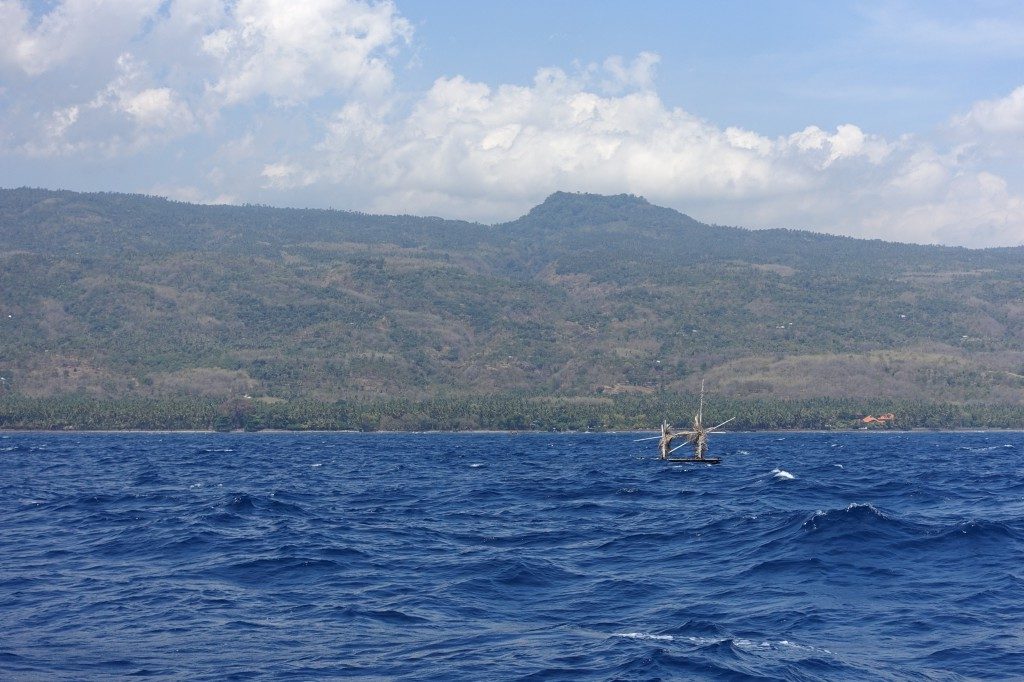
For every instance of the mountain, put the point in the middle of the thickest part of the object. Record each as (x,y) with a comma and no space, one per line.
(116,295)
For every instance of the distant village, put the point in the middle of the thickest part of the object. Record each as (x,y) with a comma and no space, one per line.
(881,420)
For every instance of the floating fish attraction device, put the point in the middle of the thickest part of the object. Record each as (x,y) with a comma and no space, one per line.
(696,437)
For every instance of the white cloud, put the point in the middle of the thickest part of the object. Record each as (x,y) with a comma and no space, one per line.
(52,139)
(1003,116)
(72,30)
(191,194)
(156,108)
(972,209)
(621,76)
(464,140)
(270,100)
(848,141)
(296,51)
(467,149)
(125,116)
(920,175)
(150,109)
(118,76)
(287,175)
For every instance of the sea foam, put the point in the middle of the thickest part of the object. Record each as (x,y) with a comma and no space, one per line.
(644,635)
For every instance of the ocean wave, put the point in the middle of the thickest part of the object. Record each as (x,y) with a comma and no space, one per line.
(855,514)
(149,477)
(759,645)
(639,539)
(287,509)
(644,635)
(240,503)
(397,560)
(789,565)
(965,534)
(343,553)
(862,527)
(530,573)
(287,569)
(494,577)
(986,448)
(23,447)
(985,529)
(865,523)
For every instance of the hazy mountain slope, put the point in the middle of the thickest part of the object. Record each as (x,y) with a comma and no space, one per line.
(125,294)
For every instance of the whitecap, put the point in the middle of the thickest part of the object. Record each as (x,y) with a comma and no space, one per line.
(776,645)
(317,465)
(475,465)
(752,645)
(781,475)
(195,485)
(644,635)
(800,647)
(704,641)
(838,465)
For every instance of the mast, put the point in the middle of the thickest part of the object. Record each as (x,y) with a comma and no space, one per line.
(700,409)
(696,437)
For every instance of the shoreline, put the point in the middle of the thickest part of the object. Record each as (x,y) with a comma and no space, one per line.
(485,432)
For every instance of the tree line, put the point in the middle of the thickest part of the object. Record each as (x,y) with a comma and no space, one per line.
(490,412)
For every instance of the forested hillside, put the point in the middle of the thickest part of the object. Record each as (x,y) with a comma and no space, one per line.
(127,296)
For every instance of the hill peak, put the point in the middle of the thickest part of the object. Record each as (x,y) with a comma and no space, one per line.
(566,204)
(588,199)
(580,209)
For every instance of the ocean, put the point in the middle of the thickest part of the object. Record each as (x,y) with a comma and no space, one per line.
(803,556)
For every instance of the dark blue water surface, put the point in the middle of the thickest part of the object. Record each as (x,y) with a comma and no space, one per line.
(497,556)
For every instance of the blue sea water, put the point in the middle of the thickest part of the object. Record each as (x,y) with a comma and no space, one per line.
(499,556)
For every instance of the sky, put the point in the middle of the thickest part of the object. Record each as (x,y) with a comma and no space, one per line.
(901,121)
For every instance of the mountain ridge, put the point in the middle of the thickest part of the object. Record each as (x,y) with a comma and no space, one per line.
(556,205)
(119,295)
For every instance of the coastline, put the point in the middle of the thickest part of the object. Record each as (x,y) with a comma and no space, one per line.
(495,432)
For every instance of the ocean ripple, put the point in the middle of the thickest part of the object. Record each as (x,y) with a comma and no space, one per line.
(497,556)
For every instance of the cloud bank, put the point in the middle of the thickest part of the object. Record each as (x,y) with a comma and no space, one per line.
(276,102)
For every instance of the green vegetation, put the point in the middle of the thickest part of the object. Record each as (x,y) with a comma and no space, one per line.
(507,413)
(128,301)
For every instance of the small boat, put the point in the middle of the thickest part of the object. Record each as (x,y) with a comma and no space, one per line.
(696,436)
(695,460)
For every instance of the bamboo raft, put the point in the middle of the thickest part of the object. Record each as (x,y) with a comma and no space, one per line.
(694,460)
(696,436)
